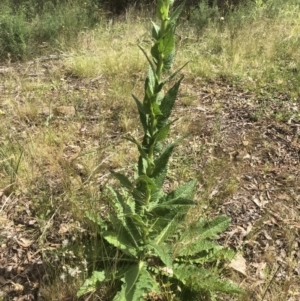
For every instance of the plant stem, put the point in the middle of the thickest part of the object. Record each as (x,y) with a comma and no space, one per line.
(158,73)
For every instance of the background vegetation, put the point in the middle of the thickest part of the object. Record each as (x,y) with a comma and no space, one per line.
(269,54)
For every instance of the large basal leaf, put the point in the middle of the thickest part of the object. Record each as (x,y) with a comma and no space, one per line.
(139,282)
(196,234)
(127,228)
(170,226)
(179,202)
(90,284)
(211,229)
(117,202)
(163,252)
(214,256)
(121,242)
(195,246)
(200,279)
(122,235)
(185,191)
(98,220)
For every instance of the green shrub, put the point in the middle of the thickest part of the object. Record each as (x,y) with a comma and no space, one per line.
(14,34)
(28,24)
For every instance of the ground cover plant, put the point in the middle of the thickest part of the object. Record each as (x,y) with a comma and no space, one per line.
(61,126)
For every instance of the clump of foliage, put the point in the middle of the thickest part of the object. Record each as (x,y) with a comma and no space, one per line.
(157,253)
(27,27)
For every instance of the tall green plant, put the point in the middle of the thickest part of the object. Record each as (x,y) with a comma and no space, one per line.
(144,224)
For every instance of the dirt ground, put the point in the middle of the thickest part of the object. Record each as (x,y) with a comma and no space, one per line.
(260,156)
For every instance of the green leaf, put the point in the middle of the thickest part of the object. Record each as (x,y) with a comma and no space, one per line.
(123,180)
(168,101)
(147,57)
(142,166)
(120,296)
(162,251)
(178,202)
(155,52)
(156,109)
(166,227)
(168,61)
(150,83)
(198,248)
(211,229)
(116,201)
(155,31)
(139,282)
(200,279)
(176,13)
(137,220)
(197,239)
(131,277)
(148,181)
(162,133)
(121,241)
(142,114)
(98,220)
(90,284)
(168,79)
(140,148)
(156,195)
(123,234)
(166,45)
(161,163)
(185,191)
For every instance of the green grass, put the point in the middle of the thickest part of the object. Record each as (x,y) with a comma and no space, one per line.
(256,46)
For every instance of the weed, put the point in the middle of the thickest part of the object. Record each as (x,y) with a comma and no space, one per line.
(155,254)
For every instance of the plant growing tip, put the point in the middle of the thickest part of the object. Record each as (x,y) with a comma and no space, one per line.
(145,224)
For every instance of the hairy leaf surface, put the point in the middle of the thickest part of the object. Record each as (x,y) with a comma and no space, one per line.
(90,284)
(200,279)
